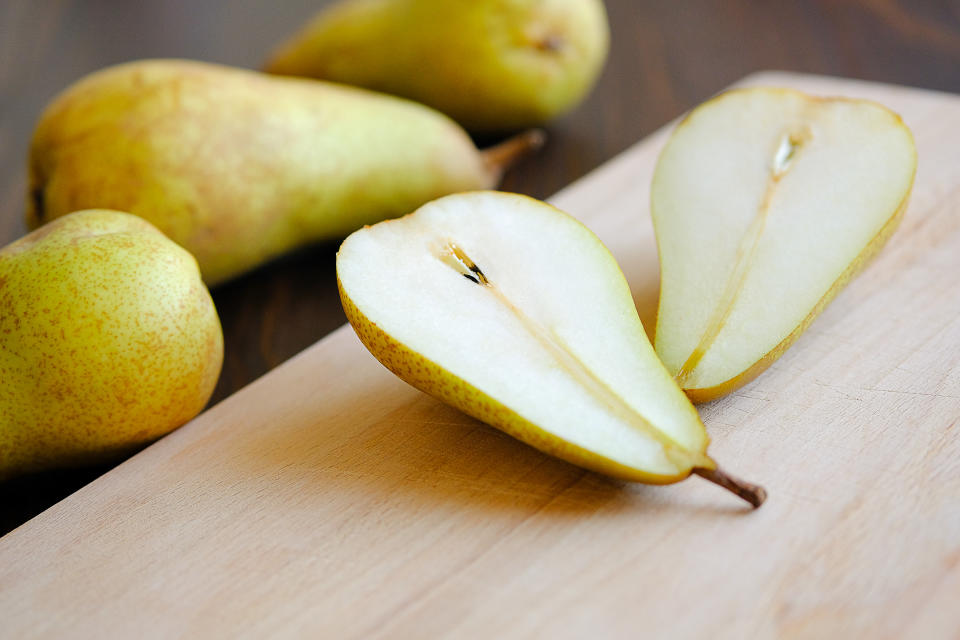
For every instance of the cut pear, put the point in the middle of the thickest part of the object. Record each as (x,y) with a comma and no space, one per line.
(765,203)
(516,314)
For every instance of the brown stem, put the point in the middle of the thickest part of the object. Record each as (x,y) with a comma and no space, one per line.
(752,493)
(500,157)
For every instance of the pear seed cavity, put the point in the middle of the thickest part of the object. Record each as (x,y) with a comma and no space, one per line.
(454,256)
(787,150)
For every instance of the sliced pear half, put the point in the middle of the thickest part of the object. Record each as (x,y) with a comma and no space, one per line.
(765,203)
(515,313)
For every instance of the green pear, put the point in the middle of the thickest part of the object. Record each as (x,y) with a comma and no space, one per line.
(516,314)
(239,167)
(492,65)
(108,340)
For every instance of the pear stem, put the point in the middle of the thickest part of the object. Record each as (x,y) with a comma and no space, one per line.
(752,493)
(500,157)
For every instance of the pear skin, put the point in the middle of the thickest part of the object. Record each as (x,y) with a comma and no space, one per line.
(108,340)
(492,65)
(239,167)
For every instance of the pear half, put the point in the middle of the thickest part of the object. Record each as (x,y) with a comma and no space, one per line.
(515,313)
(765,203)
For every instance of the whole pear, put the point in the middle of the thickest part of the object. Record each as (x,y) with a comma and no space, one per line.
(491,65)
(108,340)
(239,167)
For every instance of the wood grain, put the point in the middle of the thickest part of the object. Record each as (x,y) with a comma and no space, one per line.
(330,499)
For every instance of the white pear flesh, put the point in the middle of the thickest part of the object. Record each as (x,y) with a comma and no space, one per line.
(765,203)
(543,341)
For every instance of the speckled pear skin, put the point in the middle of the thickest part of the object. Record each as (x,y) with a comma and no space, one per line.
(108,340)
(433,379)
(239,167)
(491,65)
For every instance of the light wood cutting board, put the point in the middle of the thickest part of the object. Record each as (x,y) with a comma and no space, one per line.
(329,499)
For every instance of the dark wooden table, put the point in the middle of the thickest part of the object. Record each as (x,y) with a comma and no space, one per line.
(666,56)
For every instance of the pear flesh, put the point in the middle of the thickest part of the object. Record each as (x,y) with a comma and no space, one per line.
(239,167)
(765,203)
(492,65)
(108,340)
(516,314)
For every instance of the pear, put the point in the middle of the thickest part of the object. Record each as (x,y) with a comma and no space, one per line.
(239,167)
(516,314)
(108,340)
(491,65)
(766,202)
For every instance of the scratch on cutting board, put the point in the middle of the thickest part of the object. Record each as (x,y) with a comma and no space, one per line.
(914,393)
(839,392)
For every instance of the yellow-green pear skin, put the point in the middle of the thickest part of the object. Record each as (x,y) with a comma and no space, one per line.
(239,167)
(108,340)
(492,65)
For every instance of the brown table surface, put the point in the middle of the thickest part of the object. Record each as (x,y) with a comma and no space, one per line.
(666,56)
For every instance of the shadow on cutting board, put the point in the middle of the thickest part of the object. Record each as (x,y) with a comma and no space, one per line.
(426,455)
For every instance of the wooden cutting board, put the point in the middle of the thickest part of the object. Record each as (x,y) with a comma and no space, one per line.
(329,499)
